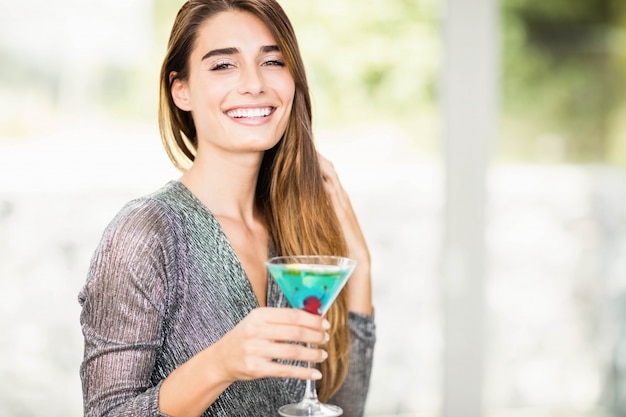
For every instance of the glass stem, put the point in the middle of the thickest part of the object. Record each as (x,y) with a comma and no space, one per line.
(310,392)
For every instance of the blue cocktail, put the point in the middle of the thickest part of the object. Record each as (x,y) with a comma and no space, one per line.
(311,283)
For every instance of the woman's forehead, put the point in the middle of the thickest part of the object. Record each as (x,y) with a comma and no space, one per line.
(234,29)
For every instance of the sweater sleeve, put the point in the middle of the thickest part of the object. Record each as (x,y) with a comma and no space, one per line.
(353,393)
(123,308)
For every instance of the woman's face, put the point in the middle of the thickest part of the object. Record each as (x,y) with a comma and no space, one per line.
(239,90)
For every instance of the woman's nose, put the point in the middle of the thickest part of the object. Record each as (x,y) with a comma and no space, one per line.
(251,81)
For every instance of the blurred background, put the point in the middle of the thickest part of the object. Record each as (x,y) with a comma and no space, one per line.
(79,138)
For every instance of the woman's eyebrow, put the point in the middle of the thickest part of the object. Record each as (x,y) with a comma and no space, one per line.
(270,48)
(222,51)
(233,51)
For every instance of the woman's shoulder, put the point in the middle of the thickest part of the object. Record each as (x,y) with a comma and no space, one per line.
(149,213)
(168,215)
(170,199)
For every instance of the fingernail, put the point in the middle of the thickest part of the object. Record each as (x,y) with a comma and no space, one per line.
(316,375)
(325,324)
(324,354)
(326,337)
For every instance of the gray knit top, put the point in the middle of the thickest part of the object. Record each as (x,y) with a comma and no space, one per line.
(163,284)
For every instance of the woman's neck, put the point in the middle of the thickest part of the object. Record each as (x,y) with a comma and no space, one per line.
(226,186)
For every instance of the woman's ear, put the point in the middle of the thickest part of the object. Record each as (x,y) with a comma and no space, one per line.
(180,92)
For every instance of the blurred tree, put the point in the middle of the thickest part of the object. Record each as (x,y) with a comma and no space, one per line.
(563,81)
(377,61)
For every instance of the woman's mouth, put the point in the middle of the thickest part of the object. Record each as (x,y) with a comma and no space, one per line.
(250,113)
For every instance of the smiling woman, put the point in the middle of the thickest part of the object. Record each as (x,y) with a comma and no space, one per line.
(241,82)
(178,314)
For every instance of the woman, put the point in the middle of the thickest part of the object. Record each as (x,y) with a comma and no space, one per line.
(178,314)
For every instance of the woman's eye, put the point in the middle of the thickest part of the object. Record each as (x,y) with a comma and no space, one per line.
(219,66)
(274,63)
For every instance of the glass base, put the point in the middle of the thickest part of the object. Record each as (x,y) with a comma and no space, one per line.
(309,408)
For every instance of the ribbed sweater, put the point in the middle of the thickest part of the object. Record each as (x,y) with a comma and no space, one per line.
(164,283)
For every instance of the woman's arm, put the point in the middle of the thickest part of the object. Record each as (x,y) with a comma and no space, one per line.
(124,305)
(359,286)
(245,353)
(352,395)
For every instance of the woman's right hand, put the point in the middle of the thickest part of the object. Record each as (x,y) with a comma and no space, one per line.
(249,350)
(246,352)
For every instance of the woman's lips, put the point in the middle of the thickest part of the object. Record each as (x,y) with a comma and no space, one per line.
(250,112)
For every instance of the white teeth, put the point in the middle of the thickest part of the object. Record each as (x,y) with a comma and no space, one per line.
(250,113)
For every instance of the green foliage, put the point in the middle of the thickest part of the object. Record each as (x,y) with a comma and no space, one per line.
(562,79)
(563,73)
(378,59)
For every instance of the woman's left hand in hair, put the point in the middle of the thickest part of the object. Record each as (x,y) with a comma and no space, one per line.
(359,285)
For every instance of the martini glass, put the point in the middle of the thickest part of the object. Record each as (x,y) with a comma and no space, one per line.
(311,283)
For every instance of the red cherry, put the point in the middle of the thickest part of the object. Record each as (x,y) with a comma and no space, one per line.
(312,304)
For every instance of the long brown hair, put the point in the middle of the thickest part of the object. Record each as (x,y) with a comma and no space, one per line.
(290,190)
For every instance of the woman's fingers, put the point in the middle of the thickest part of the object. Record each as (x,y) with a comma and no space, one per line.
(331,182)
(343,207)
(293,316)
(262,363)
(281,370)
(290,352)
(286,325)
(286,333)
(251,349)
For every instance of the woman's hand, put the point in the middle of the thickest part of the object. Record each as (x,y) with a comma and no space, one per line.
(359,284)
(246,352)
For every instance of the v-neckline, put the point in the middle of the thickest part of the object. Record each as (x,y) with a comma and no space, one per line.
(242,272)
